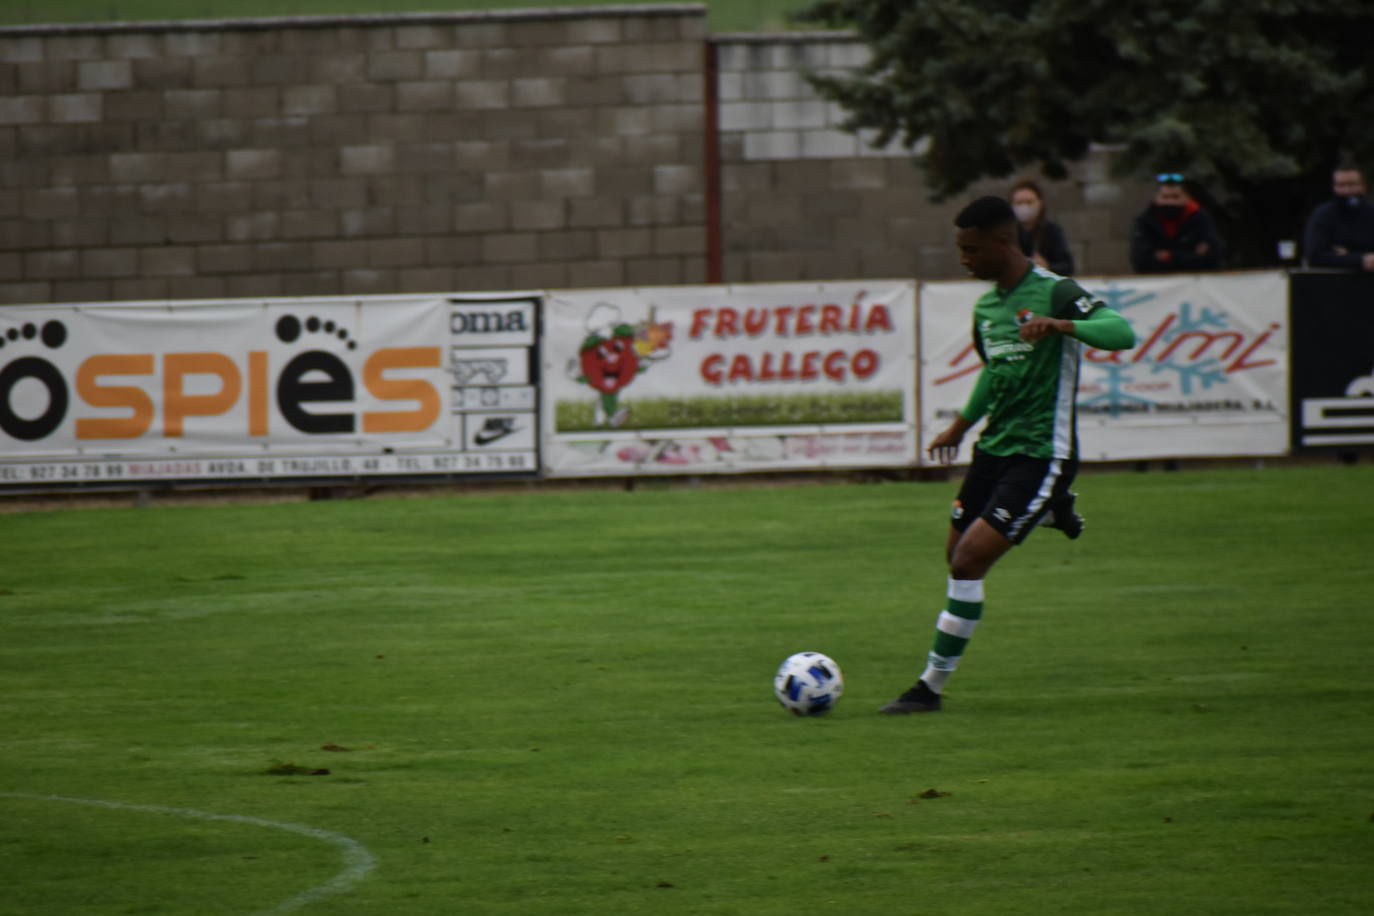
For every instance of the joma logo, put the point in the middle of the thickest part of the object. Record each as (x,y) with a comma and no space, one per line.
(467,322)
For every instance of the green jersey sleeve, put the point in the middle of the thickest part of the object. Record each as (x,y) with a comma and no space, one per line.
(1105,330)
(1094,323)
(1071,301)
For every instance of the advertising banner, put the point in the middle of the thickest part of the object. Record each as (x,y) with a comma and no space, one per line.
(113,394)
(1333,360)
(715,379)
(493,356)
(1207,377)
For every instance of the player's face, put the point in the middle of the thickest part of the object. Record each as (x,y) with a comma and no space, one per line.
(983,254)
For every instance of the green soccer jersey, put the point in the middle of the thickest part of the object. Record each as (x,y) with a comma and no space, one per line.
(1029,390)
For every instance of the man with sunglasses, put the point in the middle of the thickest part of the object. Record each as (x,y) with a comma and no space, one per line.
(1174,234)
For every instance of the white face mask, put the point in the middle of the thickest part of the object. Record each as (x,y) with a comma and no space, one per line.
(1026,213)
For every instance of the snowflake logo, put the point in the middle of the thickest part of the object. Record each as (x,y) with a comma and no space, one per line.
(1191,373)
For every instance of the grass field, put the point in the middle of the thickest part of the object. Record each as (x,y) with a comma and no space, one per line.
(559,703)
(723,15)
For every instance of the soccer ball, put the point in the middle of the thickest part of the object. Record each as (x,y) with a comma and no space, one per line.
(808,683)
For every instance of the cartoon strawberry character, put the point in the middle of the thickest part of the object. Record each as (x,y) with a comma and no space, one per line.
(614,353)
(608,365)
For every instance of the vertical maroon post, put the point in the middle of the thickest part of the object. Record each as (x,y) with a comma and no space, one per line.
(714,271)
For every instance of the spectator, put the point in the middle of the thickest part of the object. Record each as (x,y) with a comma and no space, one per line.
(1174,234)
(1340,232)
(1041,240)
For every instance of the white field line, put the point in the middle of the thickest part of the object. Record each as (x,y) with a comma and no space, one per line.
(358,861)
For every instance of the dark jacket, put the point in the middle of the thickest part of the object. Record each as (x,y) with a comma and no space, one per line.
(1048,241)
(1150,232)
(1335,224)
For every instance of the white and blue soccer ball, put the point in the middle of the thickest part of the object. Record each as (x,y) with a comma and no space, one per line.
(808,683)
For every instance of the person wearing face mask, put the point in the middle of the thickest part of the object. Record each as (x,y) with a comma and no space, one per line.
(1340,232)
(1041,240)
(1174,234)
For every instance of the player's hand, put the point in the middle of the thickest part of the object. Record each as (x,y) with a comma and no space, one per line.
(944,448)
(1041,326)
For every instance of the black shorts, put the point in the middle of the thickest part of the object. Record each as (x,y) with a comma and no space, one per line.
(1012,492)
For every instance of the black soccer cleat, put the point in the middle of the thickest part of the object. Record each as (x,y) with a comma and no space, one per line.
(1063,517)
(918,699)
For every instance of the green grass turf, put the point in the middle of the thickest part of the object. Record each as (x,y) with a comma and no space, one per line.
(723,15)
(560,703)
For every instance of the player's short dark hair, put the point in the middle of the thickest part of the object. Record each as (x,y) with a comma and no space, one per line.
(986,213)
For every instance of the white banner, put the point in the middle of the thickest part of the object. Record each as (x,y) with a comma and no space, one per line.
(121,392)
(492,353)
(1208,375)
(672,380)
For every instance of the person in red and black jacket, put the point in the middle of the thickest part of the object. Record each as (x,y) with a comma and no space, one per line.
(1174,234)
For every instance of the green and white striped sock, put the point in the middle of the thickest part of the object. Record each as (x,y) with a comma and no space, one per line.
(953,630)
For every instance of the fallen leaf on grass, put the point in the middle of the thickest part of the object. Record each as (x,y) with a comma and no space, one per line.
(932,793)
(331,746)
(666,884)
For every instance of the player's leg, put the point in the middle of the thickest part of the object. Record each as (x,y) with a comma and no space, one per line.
(976,551)
(1062,513)
(1064,516)
(974,493)
(1014,494)
(974,554)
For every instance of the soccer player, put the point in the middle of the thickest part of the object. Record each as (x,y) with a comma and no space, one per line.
(1029,330)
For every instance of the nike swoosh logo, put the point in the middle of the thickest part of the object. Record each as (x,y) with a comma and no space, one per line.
(480,439)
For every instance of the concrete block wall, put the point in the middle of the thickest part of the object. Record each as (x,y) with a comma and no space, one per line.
(458,151)
(802,199)
(317,156)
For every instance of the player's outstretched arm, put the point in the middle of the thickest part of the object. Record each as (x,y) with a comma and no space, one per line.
(1105,329)
(1081,315)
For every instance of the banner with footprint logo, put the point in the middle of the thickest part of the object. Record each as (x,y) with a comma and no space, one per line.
(238,389)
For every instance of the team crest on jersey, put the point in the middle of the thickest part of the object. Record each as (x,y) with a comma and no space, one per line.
(958,511)
(1024,316)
